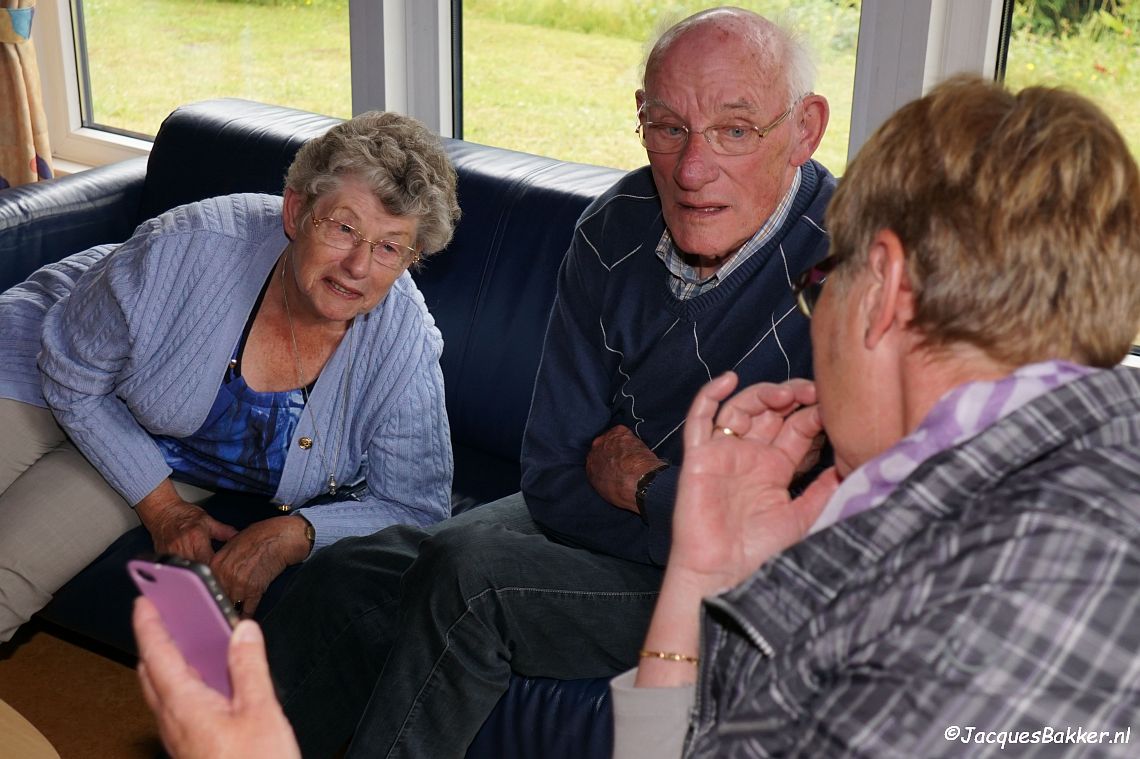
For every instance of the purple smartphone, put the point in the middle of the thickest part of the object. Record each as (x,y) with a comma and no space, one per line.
(194,609)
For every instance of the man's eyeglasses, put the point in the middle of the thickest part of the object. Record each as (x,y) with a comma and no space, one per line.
(808,286)
(725,139)
(337,234)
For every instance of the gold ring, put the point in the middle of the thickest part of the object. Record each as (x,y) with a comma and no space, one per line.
(729,432)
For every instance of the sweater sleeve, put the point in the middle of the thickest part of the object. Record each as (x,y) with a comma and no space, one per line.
(86,348)
(569,408)
(409,459)
(649,721)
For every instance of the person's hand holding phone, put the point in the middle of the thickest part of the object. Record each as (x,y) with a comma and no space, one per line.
(196,721)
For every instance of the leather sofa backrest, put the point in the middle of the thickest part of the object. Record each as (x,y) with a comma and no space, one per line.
(491,292)
(223,146)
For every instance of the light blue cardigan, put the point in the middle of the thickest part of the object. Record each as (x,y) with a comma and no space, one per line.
(136,338)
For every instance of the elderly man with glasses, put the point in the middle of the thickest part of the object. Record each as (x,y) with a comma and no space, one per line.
(680,272)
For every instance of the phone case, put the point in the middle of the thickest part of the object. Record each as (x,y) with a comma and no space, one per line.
(194,609)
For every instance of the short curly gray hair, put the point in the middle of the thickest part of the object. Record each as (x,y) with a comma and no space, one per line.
(398,158)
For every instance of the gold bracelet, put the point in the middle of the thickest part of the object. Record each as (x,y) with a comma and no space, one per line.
(668,655)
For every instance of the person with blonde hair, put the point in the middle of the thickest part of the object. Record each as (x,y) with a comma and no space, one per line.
(965,578)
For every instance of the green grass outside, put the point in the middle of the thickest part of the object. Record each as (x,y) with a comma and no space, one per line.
(554,77)
(570,94)
(149,56)
(566,93)
(1106,70)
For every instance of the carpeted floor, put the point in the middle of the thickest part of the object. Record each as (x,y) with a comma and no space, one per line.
(87,705)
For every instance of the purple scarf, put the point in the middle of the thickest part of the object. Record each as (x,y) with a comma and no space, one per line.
(959,415)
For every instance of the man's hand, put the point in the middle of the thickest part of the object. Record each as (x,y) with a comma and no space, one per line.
(179,527)
(257,555)
(616,461)
(194,720)
(733,509)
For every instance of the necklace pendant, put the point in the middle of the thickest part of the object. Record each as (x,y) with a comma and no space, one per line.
(332,485)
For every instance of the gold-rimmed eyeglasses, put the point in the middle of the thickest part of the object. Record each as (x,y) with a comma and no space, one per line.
(724,139)
(337,234)
(808,286)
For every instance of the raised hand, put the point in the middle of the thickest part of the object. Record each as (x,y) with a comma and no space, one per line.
(733,508)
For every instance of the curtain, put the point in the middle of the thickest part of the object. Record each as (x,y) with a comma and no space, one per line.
(25,155)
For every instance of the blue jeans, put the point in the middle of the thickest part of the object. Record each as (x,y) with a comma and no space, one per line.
(408,637)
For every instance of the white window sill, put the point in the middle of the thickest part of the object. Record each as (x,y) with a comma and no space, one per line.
(63,167)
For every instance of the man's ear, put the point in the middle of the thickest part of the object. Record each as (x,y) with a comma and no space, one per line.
(639,101)
(889,300)
(291,212)
(810,122)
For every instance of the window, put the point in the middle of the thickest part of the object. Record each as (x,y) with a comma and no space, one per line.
(140,60)
(113,69)
(1090,46)
(564,85)
(873,56)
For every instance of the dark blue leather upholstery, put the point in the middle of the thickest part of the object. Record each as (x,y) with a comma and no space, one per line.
(43,222)
(549,719)
(490,293)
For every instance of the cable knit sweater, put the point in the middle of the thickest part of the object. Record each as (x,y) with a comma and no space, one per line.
(136,338)
(622,349)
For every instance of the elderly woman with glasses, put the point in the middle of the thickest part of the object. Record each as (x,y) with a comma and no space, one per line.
(966,576)
(272,346)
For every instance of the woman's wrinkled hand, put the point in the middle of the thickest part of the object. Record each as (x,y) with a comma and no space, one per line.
(256,556)
(734,511)
(179,527)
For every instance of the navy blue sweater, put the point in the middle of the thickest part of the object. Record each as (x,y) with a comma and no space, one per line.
(622,349)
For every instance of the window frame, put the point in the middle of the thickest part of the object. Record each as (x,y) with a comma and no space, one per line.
(905,47)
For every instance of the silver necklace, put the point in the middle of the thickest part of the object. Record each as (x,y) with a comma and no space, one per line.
(331,483)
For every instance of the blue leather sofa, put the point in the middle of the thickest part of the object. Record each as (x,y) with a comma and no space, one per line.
(490,293)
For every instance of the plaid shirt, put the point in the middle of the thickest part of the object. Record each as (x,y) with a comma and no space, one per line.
(685,282)
(996,589)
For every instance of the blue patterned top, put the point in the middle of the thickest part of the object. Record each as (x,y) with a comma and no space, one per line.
(243,442)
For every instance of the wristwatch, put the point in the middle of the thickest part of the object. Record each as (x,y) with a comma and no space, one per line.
(310,532)
(643,483)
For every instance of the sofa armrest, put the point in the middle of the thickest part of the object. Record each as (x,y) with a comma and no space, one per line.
(45,221)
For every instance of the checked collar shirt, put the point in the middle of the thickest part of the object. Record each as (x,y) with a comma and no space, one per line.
(684,280)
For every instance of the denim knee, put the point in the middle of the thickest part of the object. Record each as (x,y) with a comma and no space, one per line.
(468,560)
